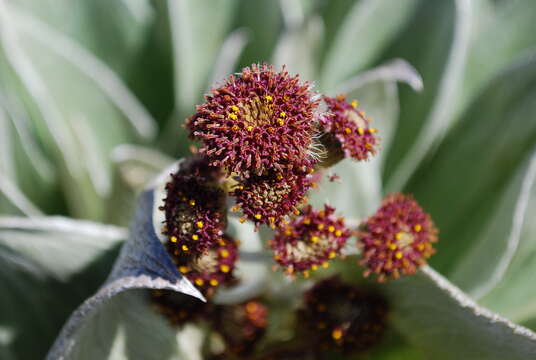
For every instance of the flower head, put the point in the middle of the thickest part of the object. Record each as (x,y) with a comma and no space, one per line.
(397,239)
(347,131)
(309,240)
(213,267)
(241,326)
(342,316)
(268,199)
(256,121)
(194,208)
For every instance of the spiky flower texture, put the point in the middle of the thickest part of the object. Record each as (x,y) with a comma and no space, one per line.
(257,121)
(397,239)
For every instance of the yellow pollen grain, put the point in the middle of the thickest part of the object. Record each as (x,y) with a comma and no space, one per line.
(368,146)
(225,268)
(348,130)
(235,108)
(288,232)
(249,128)
(332,255)
(325,265)
(338,233)
(195,237)
(336,334)
(232,116)
(242,220)
(199,224)
(258,216)
(296,212)
(399,255)
(173,239)
(417,227)
(306,221)
(269,98)
(283,114)
(314,267)
(214,282)
(224,253)
(306,274)
(331,228)
(199,282)
(392,246)
(420,247)
(183,269)
(185,248)
(314,239)
(373,130)
(281,122)
(361,131)
(399,235)
(235,128)
(192,202)
(320,226)
(355,103)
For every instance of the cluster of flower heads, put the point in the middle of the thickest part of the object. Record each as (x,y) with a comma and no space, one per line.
(397,239)
(342,316)
(310,240)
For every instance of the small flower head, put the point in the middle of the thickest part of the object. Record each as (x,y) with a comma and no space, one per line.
(310,240)
(268,199)
(256,121)
(347,131)
(341,316)
(178,308)
(397,239)
(241,326)
(194,209)
(212,268)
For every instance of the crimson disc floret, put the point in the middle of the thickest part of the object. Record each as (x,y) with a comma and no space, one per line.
(346,128)
(213,267)
(194,208)
(336,315)
(397,239)
(268,199)
(310,240)
(256,121)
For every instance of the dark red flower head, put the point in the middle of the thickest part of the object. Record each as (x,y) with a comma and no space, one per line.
(241,326)
(397,239)
(256,121)
(194,208)
(268,199)
(309,240)
(212,268)
(341,316)
(346,128)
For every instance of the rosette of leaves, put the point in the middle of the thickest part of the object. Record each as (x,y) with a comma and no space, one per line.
(463,145)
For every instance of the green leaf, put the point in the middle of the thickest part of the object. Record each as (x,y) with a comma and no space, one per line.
(360,38)
(441,320)
(461,184)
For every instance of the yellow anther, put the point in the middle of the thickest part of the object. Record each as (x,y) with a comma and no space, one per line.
(338,233)
(283,114)
(199,282)
(348,130)
(314,239)
(258,216)
(249,128)
(420,247)
(191,202)
(195,237)
(336,334)
(281,122)
(325,265)
(183,269)
(268,98)
(224,253)
(242,220)
(361,131)
(306,274)
(279,177)
(320,226)
(332,255)
(214,282)
(232,116)
(417,228)
(331,228)
(368,146)
(252,307)
(306,221)
(314,267)
(235,108)
(399,235)
(235,128)
(296,212)
(185,248)
(392,246)
(372,130)
(199,224)
(225,268)
(355,103)
(173,239)
(288,232)
(399,255)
